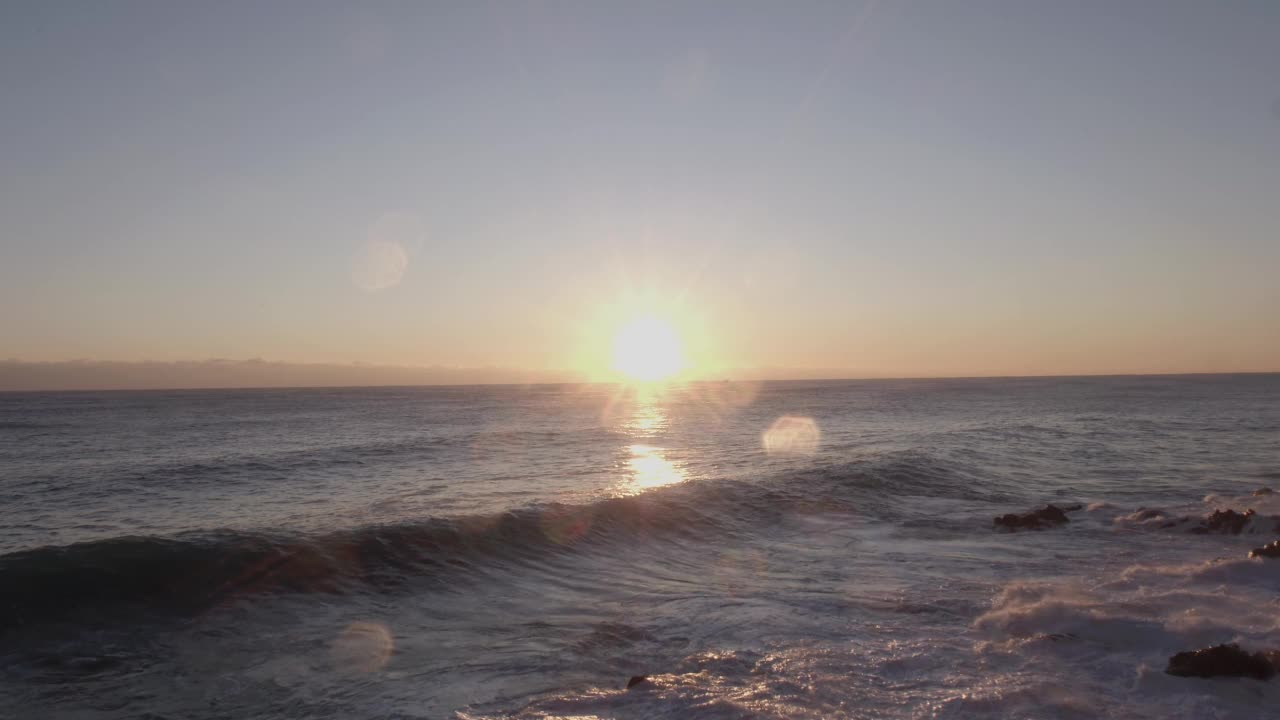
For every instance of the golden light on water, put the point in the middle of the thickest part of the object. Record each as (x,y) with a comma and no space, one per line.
(650,468)
(647,349)
(645,421)
(647,418)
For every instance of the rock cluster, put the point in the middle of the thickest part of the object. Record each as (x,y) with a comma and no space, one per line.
(1224,661)
(1270,550)
(1224,522)
(1046,517)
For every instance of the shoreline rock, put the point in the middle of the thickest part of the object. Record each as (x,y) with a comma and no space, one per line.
(1046,517)
(1224,522)
(1224,661)
(1270,550)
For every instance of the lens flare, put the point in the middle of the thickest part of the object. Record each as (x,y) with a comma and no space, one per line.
(792,435)
(739,571)
(565,524)
(381,260)
(363,647)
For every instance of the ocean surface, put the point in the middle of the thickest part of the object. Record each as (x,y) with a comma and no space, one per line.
(775,550)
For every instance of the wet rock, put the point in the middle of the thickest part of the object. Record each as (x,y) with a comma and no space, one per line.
(1270,550)
(1223,661)
(1072,508)
(1046,517)
(637,680)
(1224,522)
(1263,491)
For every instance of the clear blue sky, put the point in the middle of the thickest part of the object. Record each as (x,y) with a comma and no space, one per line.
(895,188)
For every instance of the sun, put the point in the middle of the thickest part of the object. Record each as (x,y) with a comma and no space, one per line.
(647,350)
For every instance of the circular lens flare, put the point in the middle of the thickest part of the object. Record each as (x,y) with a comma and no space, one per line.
(363,647)
(791,435)
(647,350)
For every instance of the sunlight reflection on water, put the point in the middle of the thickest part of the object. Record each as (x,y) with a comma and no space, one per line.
(647,419)
(649,468)
(646,464)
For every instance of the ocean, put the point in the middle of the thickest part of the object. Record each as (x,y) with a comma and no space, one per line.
(758,550)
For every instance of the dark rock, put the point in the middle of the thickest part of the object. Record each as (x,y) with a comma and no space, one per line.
(1223,660)
(1270,550)
(1072,508)
(1048,516)
(637,680)
(1224,522)
(1263,491)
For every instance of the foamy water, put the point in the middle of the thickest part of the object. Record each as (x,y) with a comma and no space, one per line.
(777,551)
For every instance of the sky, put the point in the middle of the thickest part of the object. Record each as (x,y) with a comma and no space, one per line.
(861,189)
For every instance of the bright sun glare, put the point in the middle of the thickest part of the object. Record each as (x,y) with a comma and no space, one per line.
(647,350)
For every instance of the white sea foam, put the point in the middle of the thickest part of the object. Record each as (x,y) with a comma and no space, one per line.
(1114,636)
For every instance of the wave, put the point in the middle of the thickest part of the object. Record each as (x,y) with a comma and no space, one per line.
(195,572)
(192,572)
(1148,610)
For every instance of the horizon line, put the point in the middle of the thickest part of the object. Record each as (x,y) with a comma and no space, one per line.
(234,388)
